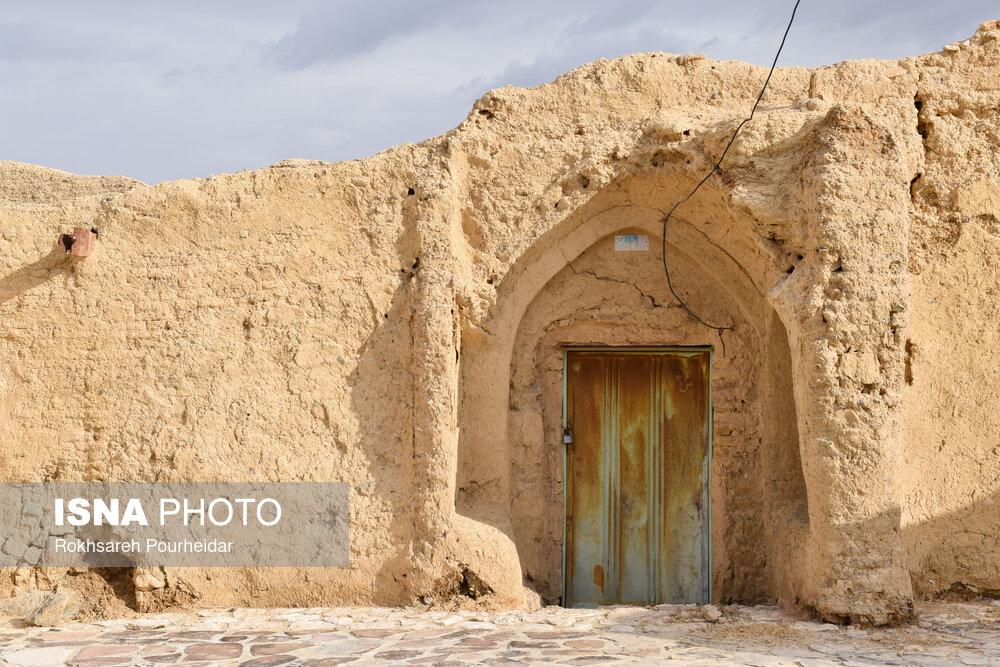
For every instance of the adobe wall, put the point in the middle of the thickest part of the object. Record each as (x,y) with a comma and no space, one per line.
(395,323)
(950,519)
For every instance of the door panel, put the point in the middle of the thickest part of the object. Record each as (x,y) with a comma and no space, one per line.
(588,515)
(633,493)
(685,576)
(637,515)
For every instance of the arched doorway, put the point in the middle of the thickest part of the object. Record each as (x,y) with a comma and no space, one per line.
(572,289)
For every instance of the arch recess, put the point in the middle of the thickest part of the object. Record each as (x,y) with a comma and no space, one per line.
(569,288)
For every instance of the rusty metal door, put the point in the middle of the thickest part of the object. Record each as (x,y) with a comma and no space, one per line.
(638,443)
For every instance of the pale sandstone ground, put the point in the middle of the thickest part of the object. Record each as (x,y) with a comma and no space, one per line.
(947,634)
(394,323)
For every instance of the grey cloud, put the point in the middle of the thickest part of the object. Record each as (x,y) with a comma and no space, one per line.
(333,32)
(610,17)
(571,54)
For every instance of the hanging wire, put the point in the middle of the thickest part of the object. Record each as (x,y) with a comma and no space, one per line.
(714,169)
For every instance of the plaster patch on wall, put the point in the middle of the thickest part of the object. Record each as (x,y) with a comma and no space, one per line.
(631,243)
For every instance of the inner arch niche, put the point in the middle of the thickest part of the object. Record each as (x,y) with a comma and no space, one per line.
(573,289)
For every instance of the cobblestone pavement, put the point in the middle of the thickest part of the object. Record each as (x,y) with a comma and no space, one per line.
(946,634)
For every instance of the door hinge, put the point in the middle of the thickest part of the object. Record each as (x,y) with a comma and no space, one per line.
(568,439)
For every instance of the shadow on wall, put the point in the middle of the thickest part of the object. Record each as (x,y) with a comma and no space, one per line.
(382,402)
(52,265)
(961,551)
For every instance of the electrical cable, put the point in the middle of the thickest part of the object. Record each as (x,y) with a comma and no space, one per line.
(714,169)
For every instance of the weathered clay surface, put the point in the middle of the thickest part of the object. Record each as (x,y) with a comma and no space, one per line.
(396,323)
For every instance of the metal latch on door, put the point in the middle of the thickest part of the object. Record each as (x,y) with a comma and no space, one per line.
(568,438)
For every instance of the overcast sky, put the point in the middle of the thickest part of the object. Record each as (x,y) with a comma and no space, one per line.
(186,88)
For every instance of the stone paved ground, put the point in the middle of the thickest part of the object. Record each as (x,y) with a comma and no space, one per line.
(946,634)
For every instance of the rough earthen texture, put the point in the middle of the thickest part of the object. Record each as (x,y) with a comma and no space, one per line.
(396,323)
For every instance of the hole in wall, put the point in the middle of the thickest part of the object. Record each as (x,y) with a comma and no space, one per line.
(913,186)
(922,128)
(908,364)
